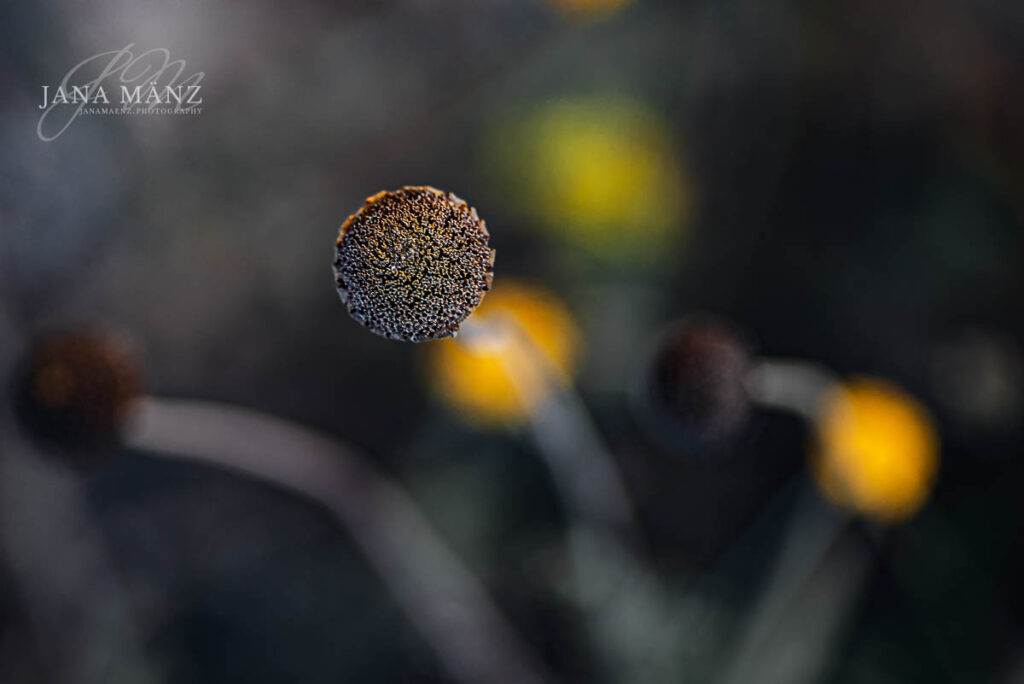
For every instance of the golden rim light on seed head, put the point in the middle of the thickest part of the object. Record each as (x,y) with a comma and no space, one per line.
(413,263)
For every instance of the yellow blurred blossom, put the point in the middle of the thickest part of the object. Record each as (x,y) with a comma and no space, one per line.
(601,173)
(518,344)
(878,450)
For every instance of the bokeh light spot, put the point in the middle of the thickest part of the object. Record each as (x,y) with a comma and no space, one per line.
(878,450)
(600,173)
(475,378)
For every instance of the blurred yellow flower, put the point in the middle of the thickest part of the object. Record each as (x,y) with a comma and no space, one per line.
(599,172)
(878,450)
(518,344)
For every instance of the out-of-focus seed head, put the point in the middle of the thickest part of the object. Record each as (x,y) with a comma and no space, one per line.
(412,264)
(695,383)
(74,389)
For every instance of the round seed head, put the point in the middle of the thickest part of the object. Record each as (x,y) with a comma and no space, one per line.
(696,382)
(412,264)
(74,389)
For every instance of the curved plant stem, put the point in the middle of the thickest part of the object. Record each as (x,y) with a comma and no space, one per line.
(797,620)
(630,615)
(795,386)
(445,601)
(573,450)
(807,562)
(77,611)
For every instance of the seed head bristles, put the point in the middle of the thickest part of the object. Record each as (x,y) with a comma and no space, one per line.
(413,263)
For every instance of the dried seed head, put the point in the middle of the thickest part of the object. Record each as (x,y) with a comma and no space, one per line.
(697,381)
(412,264)
(74,389)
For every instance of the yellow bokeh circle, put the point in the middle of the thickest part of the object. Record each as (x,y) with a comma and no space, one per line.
(519,344)
(599,172)
(877,450)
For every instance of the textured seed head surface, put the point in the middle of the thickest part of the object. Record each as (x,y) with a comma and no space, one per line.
(413,263)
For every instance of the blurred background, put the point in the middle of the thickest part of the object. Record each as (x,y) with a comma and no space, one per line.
(837,185)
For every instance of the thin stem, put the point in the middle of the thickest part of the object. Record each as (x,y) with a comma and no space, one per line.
(780,620)
(795,386)
(629,612)
(573,450)
(814,530)
(446,602)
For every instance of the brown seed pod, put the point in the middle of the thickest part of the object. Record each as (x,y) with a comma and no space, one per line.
(413,263)
(74,389)
(695,382)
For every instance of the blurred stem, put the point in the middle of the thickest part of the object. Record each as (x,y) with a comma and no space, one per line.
(815,530)
(574,452)
(629,612)
(795,386)
(76,608)
(787,641)
(446,602)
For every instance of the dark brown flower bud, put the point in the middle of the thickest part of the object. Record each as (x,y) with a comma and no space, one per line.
(412,264)
(74,389)
(695,383)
